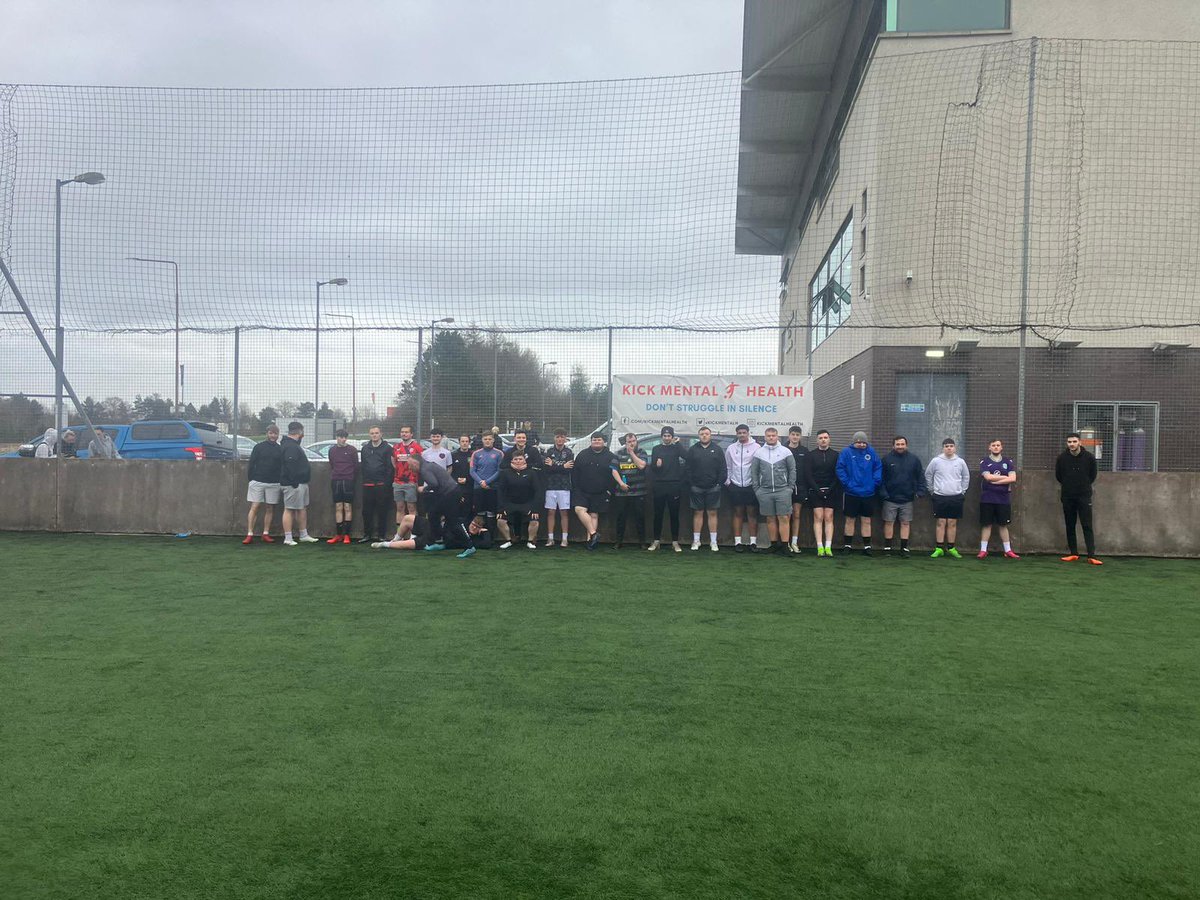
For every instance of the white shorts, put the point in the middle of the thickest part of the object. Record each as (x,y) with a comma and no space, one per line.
(558,499)
(262,492)
(295,497)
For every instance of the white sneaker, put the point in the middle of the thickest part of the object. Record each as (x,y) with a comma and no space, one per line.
(288,542)
(378,545)
(308,539)
(713,547)
(695,545)
(565,544)
(653,546)
(396,536)
(531,545)
(549,543)
(506,545)
(675,546)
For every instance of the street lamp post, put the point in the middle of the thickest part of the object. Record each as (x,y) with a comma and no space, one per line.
(169,262)
(84,178)
(432,329)
(353,369)
(340,282)
(542,379)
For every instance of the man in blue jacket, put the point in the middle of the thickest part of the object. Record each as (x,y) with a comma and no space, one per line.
(860,472)
(903,482)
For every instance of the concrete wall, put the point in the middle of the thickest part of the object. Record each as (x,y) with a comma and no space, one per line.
(166,497)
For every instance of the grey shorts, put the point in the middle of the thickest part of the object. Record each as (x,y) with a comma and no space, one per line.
(295,497)
(705,498)
(262,492)
(774,503)
(897,512)
(404,493)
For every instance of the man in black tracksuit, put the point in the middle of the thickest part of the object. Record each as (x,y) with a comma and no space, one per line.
(442,500)
(378,472)
(820,474)
(1076,470)
(668,472)
(518,491)
(460,471)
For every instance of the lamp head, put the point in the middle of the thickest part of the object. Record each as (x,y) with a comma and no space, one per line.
(89,178)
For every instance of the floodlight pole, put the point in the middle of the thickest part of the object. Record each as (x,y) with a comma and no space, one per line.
(1033,49)
(84,178)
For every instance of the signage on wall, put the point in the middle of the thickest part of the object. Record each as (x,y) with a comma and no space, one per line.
(912,407)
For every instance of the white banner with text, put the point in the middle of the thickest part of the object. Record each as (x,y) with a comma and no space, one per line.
(645,403)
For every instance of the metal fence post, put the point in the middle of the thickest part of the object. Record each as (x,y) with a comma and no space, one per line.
(1033,49)
(611,428)
(237,348)
(420,379)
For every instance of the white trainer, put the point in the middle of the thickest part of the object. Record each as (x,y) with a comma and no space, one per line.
(288,542)
(675,546)
(695,545)
(308,539)
(531,545)
(506,545)
(653,546)
(713,547)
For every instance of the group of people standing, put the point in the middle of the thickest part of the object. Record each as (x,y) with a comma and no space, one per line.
(479,494)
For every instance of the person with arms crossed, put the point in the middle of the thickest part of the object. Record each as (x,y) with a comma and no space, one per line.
(263,490)
(629,496)
(999,474)
(668,472)
(903,482)
(294,475)
(820,476)
(485,466)
(795,444)
(343,473)
(591,486)
(860,473)
(1075,470)
(738,457)
(948,478)
(773,475)
(557,463)
(706,472)
(404,487)
(378,475)
(518,491)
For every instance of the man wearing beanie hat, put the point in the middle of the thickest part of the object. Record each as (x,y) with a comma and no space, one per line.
(860,472)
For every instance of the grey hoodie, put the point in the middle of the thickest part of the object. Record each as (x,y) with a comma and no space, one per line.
(48,448)
(773,469)
(947,477)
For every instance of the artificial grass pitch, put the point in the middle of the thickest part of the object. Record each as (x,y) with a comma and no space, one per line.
(187,719)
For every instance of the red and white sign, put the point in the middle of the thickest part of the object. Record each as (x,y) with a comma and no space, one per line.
(644,403)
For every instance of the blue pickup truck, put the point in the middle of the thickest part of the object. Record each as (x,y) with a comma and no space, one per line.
(156,439)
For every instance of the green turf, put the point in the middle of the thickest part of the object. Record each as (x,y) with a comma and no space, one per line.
(191,718)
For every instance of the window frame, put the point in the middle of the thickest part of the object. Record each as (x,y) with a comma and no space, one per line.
(1112,437)
(819,327)
(891,20)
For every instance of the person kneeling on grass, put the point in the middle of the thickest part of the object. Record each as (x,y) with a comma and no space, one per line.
(413,534)
(343,473)
(948,479)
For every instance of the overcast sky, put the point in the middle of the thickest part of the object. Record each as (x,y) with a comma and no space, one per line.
(649,213)
(352,43)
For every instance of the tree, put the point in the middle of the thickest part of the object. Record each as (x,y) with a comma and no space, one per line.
(115,410)
(22,418)
(92,409)
(267,416)
(305,410)
(152,406)
(286,408)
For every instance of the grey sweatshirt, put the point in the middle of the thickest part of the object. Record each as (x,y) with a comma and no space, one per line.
(773,469)
(947,477)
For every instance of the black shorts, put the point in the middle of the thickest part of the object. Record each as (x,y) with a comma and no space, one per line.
(995,513)
(594,503)
(485,501)
(420,541)
(948,506)
(855,507)
(799,495)
(742,496)
(822,499)
(343,491)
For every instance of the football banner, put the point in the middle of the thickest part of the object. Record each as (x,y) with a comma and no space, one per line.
(644,403)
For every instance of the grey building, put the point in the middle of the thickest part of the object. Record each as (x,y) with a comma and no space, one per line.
(986,213)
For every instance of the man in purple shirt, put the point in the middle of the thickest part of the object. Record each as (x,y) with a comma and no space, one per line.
(999,474)
(343,473)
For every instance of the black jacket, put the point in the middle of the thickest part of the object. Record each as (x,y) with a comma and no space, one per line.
(517,490)
(266,462)
(706,467)
(1075,473)
(903,477)
(593,471)
(460,466)
(533,457)
(295,470)
(668,465)
(820,469)
(376,463)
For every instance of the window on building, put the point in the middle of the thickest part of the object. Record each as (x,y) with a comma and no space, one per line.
(946,15)
(1123,436)
(787,341)
(862,280)
(829,290)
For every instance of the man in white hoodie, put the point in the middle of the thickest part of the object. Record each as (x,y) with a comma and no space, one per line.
(48,448)
(948,478)
(773,474)
(738,457)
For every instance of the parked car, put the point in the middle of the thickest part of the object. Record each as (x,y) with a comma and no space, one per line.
(245,445)
(153,439)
